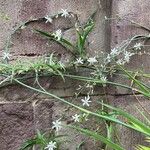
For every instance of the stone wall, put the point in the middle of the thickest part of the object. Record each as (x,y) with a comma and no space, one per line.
(22,111)
(131,11)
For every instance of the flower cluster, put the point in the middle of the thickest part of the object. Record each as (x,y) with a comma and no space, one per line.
(78,118)
(121,51)
(90,60)
(62,13)
(98,70)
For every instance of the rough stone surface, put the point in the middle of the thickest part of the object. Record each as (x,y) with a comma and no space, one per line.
(16,93)
(16,124)
(137,11)
(26,45)
(43,114)
(22,111)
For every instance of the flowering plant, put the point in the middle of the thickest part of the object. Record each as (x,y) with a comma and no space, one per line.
(100,69)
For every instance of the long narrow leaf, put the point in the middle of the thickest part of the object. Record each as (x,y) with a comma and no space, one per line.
(63,41)
(98,137)
(105,117)
(143,88)
(141,127)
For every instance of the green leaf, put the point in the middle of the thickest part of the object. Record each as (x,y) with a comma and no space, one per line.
(82,36)
(28,144)
(45,33)
(137,125)
(105,117)
(38,140)
(98,137)
(80,43)
(87,30)
(143,89)
(79,147)
(65,43)
(140,147)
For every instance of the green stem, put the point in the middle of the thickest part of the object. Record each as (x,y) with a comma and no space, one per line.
(77,107)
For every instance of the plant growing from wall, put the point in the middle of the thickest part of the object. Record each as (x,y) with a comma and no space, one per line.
(99,69)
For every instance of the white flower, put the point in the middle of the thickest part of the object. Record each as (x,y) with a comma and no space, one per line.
(48,19)
(108,58)
(6,55)
(51,146)
(85,116)
(127,56)
(79,88)
(89,86)
(57,16)
(120,62)
(86,101)
(76,118)
(138,46)
(114,52)
(64,13)
(57,34)
(79,61)
(92,60)
(106,18)
(57,125)
(104,79)
(23,27)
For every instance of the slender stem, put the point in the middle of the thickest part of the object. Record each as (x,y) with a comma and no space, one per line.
(5,80)
(79,108)
(97,81)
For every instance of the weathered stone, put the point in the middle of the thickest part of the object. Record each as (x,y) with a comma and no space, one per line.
(43,115)
(123,29)
(9,10)
(20,119)
(16,93)
(26,43)
(16,124)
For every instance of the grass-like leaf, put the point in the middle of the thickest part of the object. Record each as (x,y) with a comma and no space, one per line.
(98,137)
(82,37)
(64,42)
(143,128)
(145,90)
(137,124)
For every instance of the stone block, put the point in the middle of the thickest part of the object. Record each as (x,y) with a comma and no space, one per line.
(131,11)
(26,44)
(43,114)
(16,124)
